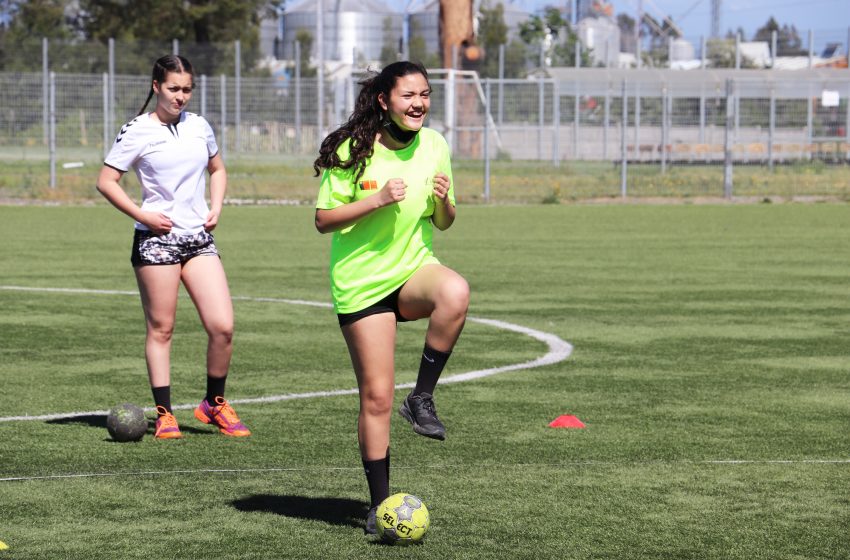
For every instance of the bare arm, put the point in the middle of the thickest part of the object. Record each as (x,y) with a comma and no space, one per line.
(107,184)
(444,210)
(343,216)
(218,186)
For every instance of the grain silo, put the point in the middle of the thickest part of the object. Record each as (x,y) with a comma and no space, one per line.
(349,27)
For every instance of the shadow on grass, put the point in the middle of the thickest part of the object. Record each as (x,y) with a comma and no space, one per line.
(99,421)
(334,511)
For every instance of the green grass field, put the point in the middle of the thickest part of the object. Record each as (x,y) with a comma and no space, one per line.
(710,366)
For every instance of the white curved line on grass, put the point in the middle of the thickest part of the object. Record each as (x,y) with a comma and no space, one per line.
(559,350)
(665,464)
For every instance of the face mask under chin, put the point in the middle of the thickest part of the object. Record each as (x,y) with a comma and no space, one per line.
(399,134)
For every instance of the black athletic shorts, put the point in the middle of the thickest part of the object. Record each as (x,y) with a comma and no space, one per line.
(387,305)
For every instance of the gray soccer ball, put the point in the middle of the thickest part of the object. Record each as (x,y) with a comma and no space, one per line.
(126,422)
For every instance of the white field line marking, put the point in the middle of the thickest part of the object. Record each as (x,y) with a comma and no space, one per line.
(431,467)
(559,350)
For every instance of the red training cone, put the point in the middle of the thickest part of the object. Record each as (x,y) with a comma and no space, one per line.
(566,421)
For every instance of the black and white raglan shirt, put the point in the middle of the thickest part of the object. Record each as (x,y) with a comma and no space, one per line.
(170,161)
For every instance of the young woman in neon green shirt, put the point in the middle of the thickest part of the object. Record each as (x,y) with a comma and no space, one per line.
(386,181)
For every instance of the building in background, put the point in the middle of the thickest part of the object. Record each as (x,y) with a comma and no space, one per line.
(353,29)
(424,21)
(598,31)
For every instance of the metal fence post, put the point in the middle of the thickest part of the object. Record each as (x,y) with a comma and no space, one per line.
(637,119)
(450,109)
(501,83)
(175,46)
(847,123)
(737,51)
(541,93)
(52,130)
(237,115)
(773,38)
(664,130)
(556,123)
(320,70)
(203,95)
(487,99)
(606,123)
(624,157)
(223,146)
(811,48)
(576,109)
(106,134)
(771,128)
(111,68)
(298,93)
(45,65)
(702,114)
(727,145)
(809,117)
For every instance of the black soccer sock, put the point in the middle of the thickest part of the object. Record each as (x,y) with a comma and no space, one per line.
(432,365)
(215,388)
(378,477)
(162,397)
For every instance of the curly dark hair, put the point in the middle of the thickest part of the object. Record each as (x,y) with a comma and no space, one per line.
(365,121)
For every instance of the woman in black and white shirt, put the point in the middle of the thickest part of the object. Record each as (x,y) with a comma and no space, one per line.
(171,151)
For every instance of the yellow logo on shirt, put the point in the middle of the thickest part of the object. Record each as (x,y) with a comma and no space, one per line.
(369,185)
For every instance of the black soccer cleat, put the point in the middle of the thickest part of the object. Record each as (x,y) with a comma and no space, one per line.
(371,527)
(420,412)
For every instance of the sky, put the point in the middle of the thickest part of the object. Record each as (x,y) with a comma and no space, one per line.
(829,19)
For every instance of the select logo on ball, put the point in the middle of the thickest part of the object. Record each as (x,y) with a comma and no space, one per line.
(402,519)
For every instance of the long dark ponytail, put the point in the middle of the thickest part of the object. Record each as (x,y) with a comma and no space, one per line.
(365,121)
(161,68)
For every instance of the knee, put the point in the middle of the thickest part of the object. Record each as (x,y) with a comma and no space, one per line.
(377,404)
(454,296)
(221,334)
(161,332)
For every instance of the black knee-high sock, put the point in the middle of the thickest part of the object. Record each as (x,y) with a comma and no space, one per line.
(378,478)
(430,368)
(162,397)
(215,388)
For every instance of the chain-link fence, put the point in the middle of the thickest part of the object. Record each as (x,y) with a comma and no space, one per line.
(568,133)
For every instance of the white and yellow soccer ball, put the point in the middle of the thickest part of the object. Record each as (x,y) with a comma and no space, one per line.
(402,519)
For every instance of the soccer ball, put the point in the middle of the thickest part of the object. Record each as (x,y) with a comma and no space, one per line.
(402,519)
(126,422)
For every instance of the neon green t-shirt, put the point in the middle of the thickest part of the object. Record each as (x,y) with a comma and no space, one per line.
(379,253)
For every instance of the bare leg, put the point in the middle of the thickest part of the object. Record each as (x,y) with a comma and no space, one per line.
(206,283)
(371,344)
(440,293)
(158,285)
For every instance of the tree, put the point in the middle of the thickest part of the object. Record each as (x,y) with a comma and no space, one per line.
(721,54)
(418,50)
(626,24)
(27,24)
(789,43)
(210,27)
(305,40)
(492,34)
(765,32)
(554,34)
(389,49)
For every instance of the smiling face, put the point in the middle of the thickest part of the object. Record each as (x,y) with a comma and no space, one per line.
(409,102)
(172,95)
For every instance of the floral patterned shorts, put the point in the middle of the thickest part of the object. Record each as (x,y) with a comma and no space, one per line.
(171,248)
